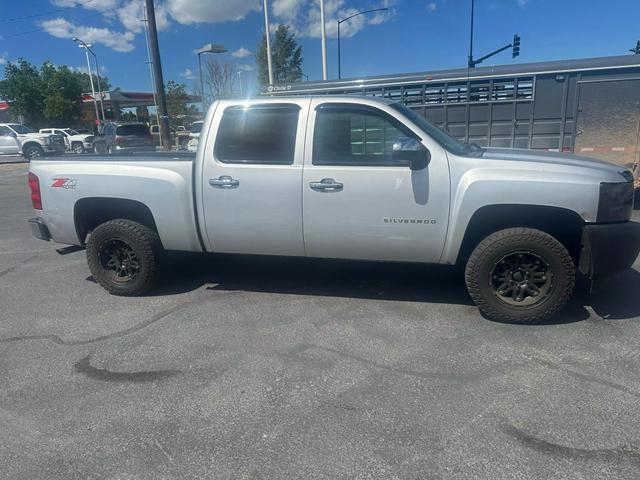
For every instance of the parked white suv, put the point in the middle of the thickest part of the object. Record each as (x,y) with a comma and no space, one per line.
(74,141)
(16,139)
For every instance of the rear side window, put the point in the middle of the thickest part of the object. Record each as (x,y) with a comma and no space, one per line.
(132,130)
(263,134)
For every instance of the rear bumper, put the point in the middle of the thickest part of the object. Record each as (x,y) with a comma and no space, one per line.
(608,249)
(39,229)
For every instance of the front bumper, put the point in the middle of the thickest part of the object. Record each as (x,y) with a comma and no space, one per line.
(39,229)
(608,249)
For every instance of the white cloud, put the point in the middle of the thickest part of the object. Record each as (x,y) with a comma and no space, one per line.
(211,11)
(245,67)
(3,58)
(188,74)
(61,28)
(432,6)
(241,53)
(303,16)
(132,12)
(99,5)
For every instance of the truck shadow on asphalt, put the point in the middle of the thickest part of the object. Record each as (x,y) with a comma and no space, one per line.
(612,299)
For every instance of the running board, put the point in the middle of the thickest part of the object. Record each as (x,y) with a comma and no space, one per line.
(69,249)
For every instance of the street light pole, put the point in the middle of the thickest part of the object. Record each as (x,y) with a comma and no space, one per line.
(349,18)
(268,40)
(470,62)
(208,48)
(81,44)
(95,59)
(324,41)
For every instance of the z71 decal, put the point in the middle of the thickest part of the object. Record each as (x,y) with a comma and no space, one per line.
(68,183)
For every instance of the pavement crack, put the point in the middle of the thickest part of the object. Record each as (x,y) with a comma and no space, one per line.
(447,376)
(586,377)
(121,333)
(620,452)
(84,366)
(6,271)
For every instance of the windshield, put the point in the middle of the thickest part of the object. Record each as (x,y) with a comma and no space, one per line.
(133,129)
(443,138)
(20,129)
(69,131)
(196,127)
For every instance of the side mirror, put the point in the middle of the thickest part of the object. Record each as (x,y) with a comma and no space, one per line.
(412,151)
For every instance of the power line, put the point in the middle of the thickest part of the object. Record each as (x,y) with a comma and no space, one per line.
(42,14)
(19,34)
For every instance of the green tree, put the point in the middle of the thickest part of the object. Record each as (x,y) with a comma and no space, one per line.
(22,86)
(177,103)
(286,57)
(62,90)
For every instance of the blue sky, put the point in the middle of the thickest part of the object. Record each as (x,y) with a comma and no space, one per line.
(415,35)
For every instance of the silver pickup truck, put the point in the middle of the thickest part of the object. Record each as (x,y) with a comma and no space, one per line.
(352,178)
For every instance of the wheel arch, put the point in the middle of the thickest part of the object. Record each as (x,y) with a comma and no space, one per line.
(563,224)
(30,143)
(90,212)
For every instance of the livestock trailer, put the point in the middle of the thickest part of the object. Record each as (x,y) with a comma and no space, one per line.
(587,106)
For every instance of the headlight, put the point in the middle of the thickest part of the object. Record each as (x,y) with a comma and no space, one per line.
(616,202)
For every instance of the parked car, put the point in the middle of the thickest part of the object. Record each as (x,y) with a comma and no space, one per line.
(74,141)
(178,133)
(352,178)
(124,138)
(194,136)
(16,139)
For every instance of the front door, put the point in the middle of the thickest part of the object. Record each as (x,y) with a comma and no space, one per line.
(252,174)
(372,205)
(9,144)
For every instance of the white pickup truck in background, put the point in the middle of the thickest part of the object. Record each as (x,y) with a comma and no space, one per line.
(352,178)
(16,139)
(74,141)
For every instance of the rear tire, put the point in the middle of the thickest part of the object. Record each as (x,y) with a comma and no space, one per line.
(123,257)
(520,275)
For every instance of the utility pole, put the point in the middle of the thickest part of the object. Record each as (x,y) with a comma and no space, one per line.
(470,61)
(157,70)
(324,42)
(268,39)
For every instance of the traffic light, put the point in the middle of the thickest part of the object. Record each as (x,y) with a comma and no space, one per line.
(516,46)
(637,49)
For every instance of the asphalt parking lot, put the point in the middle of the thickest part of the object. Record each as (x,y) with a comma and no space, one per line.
(244,367)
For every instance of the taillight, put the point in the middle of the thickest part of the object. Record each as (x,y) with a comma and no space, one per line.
(34,185)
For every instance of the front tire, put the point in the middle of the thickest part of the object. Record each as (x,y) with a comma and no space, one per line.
(123,257)
(33,151)
(77,148)
(520,275)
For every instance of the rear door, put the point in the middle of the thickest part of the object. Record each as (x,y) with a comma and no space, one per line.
(9,144)
(252,174)
(379,209)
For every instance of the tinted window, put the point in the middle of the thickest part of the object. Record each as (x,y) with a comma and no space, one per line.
(196,127)
(260,134)
(5,132)
(135,129)
(355,135)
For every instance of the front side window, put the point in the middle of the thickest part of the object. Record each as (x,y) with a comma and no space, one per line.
(5,132)
(261,134)
(358,136)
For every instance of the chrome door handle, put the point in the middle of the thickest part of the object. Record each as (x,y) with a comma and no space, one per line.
(326,185)
(225,181)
